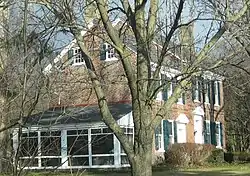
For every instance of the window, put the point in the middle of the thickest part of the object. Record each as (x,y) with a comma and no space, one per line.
(77,147)
(159,138)
(51,146)
(217,87)
(164,135)
(218,134)
(108,53)
(29,149)
(102,146)
(76,56)
(197,89)
(171,131)
(29,144)
(207,87)
(167,87)
(129,132)
(207,132)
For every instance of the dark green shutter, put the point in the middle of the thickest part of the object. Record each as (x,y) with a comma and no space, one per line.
(221,134)
(165,87)
(175,132)
(184,98)
(213,133)
(157,131)
(70,56)
(208,92)
(166,134)
(218,88)
(199,89)
(157,85)
(103,52)
(205,132)
(165,93)
(193,89)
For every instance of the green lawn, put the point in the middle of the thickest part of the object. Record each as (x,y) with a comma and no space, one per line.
(225,170)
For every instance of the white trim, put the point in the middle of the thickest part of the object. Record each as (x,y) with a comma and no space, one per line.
(182,118)
(199,111)
(172,124)
(64,148)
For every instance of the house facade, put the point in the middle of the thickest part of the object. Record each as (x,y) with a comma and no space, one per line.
(196,117)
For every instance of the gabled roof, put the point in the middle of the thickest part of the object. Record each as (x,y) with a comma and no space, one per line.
(76,115)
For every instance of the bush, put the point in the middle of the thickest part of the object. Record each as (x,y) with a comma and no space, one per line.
(188,154)
(237,157)
(217,156)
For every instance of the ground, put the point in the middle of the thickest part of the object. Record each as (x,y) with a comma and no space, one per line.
(222,170)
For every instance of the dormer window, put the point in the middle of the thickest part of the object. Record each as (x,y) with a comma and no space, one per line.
(108,53)
(76,56)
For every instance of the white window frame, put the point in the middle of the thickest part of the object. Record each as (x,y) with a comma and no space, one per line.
(208,121)
(77,55)
(216,92)
(110,52)
(160,138)
(196,92)
(207,98)
(172,135)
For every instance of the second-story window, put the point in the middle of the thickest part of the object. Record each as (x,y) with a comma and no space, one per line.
(216,93)
(76,56)
(107,52)
(197,89)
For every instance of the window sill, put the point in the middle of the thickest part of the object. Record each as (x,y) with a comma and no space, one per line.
(111,59)
(78,64)
(219,147)
(217,105)
(196,101)
(179,103)
(160,150)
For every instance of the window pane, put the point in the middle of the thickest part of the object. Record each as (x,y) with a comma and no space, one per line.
(51,146)
(51,162)
(103,160)
(208,127)
(77,145)
(29,147)
(94,131)
(124,160)
(130,138)
(84,131)
(170,128)
(102,144)
(78,161)
(106,130)
(72,132)
(29,162)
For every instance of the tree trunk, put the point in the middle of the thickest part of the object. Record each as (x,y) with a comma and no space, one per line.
(4,137)
(142,165)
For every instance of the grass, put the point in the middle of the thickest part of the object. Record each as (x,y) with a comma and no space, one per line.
(220,170)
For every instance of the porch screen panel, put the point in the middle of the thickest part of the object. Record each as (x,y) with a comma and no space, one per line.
(29,149)
(102,143)
(129,132)
(77,146)
(51,148)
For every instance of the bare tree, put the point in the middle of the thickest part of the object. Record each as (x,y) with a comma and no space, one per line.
(142,18)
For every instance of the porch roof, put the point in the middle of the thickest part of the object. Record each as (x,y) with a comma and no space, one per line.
(76,115)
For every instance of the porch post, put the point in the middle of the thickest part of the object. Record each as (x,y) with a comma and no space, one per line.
(64,148)
(117,152)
